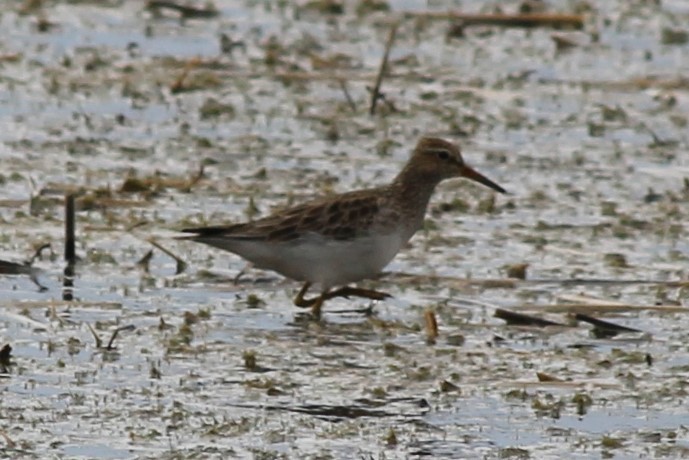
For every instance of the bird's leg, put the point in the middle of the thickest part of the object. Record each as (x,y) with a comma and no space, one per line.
(300,301)
(356,292)
(316,307)
(314,303)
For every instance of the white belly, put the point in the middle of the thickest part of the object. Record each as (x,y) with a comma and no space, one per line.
(323,262)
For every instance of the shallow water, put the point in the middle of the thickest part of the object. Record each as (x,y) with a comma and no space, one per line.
(591,142)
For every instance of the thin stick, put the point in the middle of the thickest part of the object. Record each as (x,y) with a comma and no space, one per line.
(521,319)
(181,264)
(183,10)
(70,254)
(99,342)
(350,101)
(375,94)
(111,342)
(556,20)
(605,328)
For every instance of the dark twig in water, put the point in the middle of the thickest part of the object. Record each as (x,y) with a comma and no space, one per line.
(99,342)
(181,264)
(348,97)
(575,21)
(111,342)
(375,94)
(5,358)
(520,319)
(381,96)
(110,346)
(185,12)
(602,329)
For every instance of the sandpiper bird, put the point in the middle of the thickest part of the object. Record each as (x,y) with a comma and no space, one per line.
(341,239)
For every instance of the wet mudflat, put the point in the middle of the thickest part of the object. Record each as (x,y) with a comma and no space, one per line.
(157,123)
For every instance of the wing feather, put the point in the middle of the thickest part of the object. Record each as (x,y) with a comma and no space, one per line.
(341,217)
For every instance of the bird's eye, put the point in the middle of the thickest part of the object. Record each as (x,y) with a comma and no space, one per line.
(443,154)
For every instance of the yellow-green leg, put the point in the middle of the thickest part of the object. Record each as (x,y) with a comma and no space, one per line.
(314,303)
(300,301)
(316,307)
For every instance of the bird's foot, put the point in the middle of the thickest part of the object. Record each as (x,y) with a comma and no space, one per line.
(347,291)
(316,303)
(302,302)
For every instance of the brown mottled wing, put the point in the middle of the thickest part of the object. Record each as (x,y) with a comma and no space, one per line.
(341,217)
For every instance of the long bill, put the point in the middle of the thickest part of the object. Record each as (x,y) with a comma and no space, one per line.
(471,173)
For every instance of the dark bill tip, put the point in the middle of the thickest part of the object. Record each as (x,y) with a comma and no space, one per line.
(476,176)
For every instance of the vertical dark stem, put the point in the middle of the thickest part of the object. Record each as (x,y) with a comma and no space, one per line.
(70,253)
(68,282)
(375,93)
(69,229)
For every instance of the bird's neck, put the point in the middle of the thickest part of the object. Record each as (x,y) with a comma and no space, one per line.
(414,190)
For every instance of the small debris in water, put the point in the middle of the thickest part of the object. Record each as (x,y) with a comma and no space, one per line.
(517,271)
(249,357)
(543,377)
(5,358)
(431,326)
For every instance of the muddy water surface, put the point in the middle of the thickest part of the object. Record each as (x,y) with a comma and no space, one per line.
(126,106)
